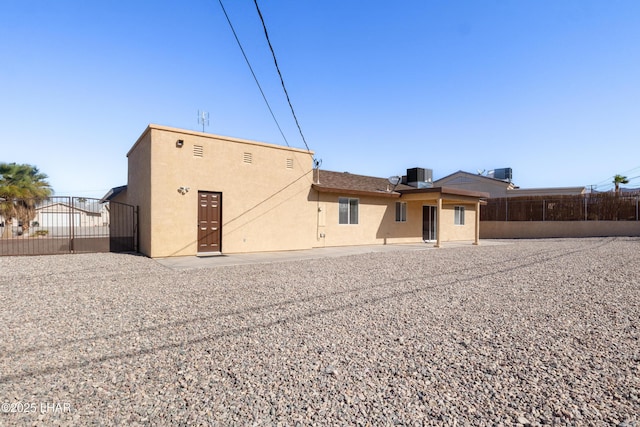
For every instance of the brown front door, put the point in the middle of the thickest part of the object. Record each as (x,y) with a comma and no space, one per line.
(209,221)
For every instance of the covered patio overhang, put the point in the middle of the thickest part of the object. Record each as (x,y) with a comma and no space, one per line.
(440,196)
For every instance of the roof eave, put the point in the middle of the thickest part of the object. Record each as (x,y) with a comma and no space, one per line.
(113,192)
(448,191)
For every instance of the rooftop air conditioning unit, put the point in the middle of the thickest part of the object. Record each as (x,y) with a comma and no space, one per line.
(504,174)
(420,177)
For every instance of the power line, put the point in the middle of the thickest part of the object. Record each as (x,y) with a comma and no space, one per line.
(275,61)
(254,75)
(631,170)
(610,185)
(610,179)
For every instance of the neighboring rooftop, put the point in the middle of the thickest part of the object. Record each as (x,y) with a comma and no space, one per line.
(87,205)
(467,177)
(113,193)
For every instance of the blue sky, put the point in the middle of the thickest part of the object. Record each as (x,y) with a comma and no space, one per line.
(548,88)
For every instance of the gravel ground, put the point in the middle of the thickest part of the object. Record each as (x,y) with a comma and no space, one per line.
(530,333)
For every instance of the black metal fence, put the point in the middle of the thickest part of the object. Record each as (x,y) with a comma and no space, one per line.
(61,225)
(588,207)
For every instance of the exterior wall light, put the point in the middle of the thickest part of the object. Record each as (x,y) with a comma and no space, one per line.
(179,143)
(183,190)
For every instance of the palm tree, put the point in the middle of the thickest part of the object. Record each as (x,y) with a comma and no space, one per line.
(619,179)
(22,187)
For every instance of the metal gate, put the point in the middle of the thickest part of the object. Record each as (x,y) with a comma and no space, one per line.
(62,225)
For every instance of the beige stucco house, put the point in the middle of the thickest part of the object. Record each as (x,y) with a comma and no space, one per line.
(403,214)
(201,194)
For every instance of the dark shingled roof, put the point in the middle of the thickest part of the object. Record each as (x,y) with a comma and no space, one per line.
(348,183)
(353,183)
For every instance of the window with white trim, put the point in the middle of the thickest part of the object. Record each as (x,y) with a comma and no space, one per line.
(458,215)
(401,211)
(347,210)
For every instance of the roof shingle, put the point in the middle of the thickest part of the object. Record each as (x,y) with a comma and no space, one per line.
(345,181)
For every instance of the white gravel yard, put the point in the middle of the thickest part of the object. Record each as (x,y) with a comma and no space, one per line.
(529,333)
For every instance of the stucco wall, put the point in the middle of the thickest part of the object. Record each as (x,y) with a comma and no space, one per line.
(452,232)
(265,203)
(376,222)
(546,229)
(377,225)
(138,191)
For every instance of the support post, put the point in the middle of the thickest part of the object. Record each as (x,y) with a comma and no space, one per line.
(586,213)
(477,231)
(506,208)
(71,230)
(438,222)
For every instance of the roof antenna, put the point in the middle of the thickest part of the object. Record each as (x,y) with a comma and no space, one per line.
(203,119)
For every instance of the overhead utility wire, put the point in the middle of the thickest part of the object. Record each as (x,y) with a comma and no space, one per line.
(280,74)
(608,180)
(254,74)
